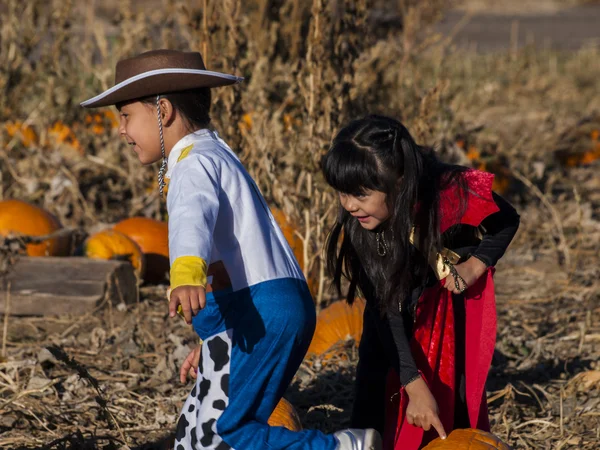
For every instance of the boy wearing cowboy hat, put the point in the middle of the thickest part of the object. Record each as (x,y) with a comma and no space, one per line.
(258,321)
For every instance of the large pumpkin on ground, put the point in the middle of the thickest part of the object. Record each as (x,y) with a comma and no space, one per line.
(286,416)
(468,439)
(111,244)
(153,238)
(19,217)
(338,322)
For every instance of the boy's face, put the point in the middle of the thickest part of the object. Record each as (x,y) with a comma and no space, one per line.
(370,209)
(139,126)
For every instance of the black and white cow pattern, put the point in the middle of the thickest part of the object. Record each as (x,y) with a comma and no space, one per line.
(197,425)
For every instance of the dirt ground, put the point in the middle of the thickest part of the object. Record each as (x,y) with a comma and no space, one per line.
(117,382)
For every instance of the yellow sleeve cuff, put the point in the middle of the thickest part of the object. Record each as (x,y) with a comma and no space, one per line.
(188,271)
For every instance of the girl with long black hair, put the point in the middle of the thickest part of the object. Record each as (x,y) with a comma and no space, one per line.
(418,239)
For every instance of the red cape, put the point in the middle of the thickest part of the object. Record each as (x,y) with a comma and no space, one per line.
(433,343)
(480,202)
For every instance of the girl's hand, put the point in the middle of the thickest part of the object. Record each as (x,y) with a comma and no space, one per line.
(422,410)
(191,298)
(190,365)
(471,270)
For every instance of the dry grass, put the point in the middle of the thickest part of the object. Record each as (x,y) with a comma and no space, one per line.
(517,114)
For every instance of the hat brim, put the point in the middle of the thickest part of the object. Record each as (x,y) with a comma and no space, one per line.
(160,81)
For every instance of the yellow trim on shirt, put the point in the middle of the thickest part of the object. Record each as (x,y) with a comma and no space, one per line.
(185,152)
(188,271)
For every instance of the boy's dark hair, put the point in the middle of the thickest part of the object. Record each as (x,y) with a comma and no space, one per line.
(192,104)
(378,153)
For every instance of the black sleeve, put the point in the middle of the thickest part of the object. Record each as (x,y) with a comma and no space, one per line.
(408,368)
(500,228)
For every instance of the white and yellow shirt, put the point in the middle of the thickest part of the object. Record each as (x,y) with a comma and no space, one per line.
(219,223)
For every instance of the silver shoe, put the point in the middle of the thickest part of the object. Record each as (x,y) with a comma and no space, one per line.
(358,439)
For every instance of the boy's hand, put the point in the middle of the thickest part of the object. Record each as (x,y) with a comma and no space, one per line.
(471,270)
(422,410)
(191,299)
(190,365)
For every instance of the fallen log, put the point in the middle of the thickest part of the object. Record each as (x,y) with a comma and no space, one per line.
(38,286)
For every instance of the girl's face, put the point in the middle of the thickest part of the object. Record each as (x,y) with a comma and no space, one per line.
(370,209)
(139,127)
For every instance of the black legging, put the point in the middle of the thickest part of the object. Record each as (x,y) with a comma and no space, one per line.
(378,354)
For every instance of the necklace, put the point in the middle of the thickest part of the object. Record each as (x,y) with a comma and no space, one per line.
(163,166)
(382,247)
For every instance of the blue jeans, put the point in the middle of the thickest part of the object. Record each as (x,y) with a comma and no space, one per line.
(254,342)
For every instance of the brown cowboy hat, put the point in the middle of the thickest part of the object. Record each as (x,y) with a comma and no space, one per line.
(159,72)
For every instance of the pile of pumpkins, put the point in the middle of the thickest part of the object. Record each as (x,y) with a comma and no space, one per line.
(144,243)
(140,240)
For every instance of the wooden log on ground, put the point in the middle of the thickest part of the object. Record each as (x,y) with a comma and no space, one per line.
(70,285)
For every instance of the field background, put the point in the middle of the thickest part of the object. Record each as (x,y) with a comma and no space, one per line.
(526,108)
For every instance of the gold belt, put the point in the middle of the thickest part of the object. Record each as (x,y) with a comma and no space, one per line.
(437,260)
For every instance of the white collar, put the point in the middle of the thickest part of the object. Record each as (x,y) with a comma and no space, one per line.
(183,143)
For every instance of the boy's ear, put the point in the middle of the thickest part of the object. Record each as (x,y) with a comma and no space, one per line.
(167,112)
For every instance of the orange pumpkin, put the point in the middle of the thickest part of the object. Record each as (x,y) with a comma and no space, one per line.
(286,416)
(473,154)
(153,238)
(111,244)
(19,217)
(289,232)
(23,132)
(571,158)
(246,123)
(338,322)
(61,134)
(468,439)
(97,122)
(581,145)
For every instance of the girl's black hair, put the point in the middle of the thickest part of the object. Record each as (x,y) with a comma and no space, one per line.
(378,153)
(192,104)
